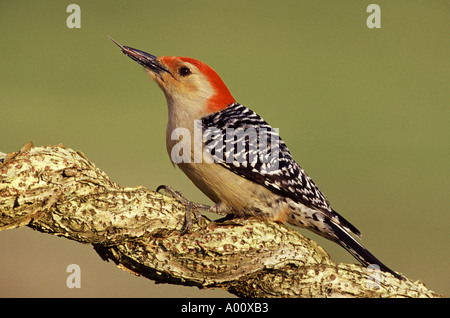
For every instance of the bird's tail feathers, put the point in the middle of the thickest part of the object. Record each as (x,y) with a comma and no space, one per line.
(339,219)
(355,248)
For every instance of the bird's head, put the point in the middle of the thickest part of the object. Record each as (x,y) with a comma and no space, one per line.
(186,82)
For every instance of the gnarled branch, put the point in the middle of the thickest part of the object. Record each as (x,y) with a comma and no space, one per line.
(57,190)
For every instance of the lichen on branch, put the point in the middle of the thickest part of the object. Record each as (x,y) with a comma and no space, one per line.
(58,191)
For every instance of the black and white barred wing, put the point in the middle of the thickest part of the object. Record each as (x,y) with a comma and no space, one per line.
(243,142)
(240,140)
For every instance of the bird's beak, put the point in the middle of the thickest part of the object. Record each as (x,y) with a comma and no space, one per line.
(147,60)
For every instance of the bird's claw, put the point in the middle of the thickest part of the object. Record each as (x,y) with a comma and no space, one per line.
(191,207)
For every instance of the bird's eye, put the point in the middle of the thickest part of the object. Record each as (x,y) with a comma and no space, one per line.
(184,71)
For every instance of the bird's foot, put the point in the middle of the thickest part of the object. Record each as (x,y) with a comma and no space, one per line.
(191,207)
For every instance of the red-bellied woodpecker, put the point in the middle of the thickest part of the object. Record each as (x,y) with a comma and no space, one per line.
(235,158)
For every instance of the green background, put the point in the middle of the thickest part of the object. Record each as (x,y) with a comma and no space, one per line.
(364,111)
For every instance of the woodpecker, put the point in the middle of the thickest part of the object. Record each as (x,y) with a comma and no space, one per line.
(241,182)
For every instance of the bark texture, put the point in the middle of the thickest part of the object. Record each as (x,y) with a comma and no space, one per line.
(59,191)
